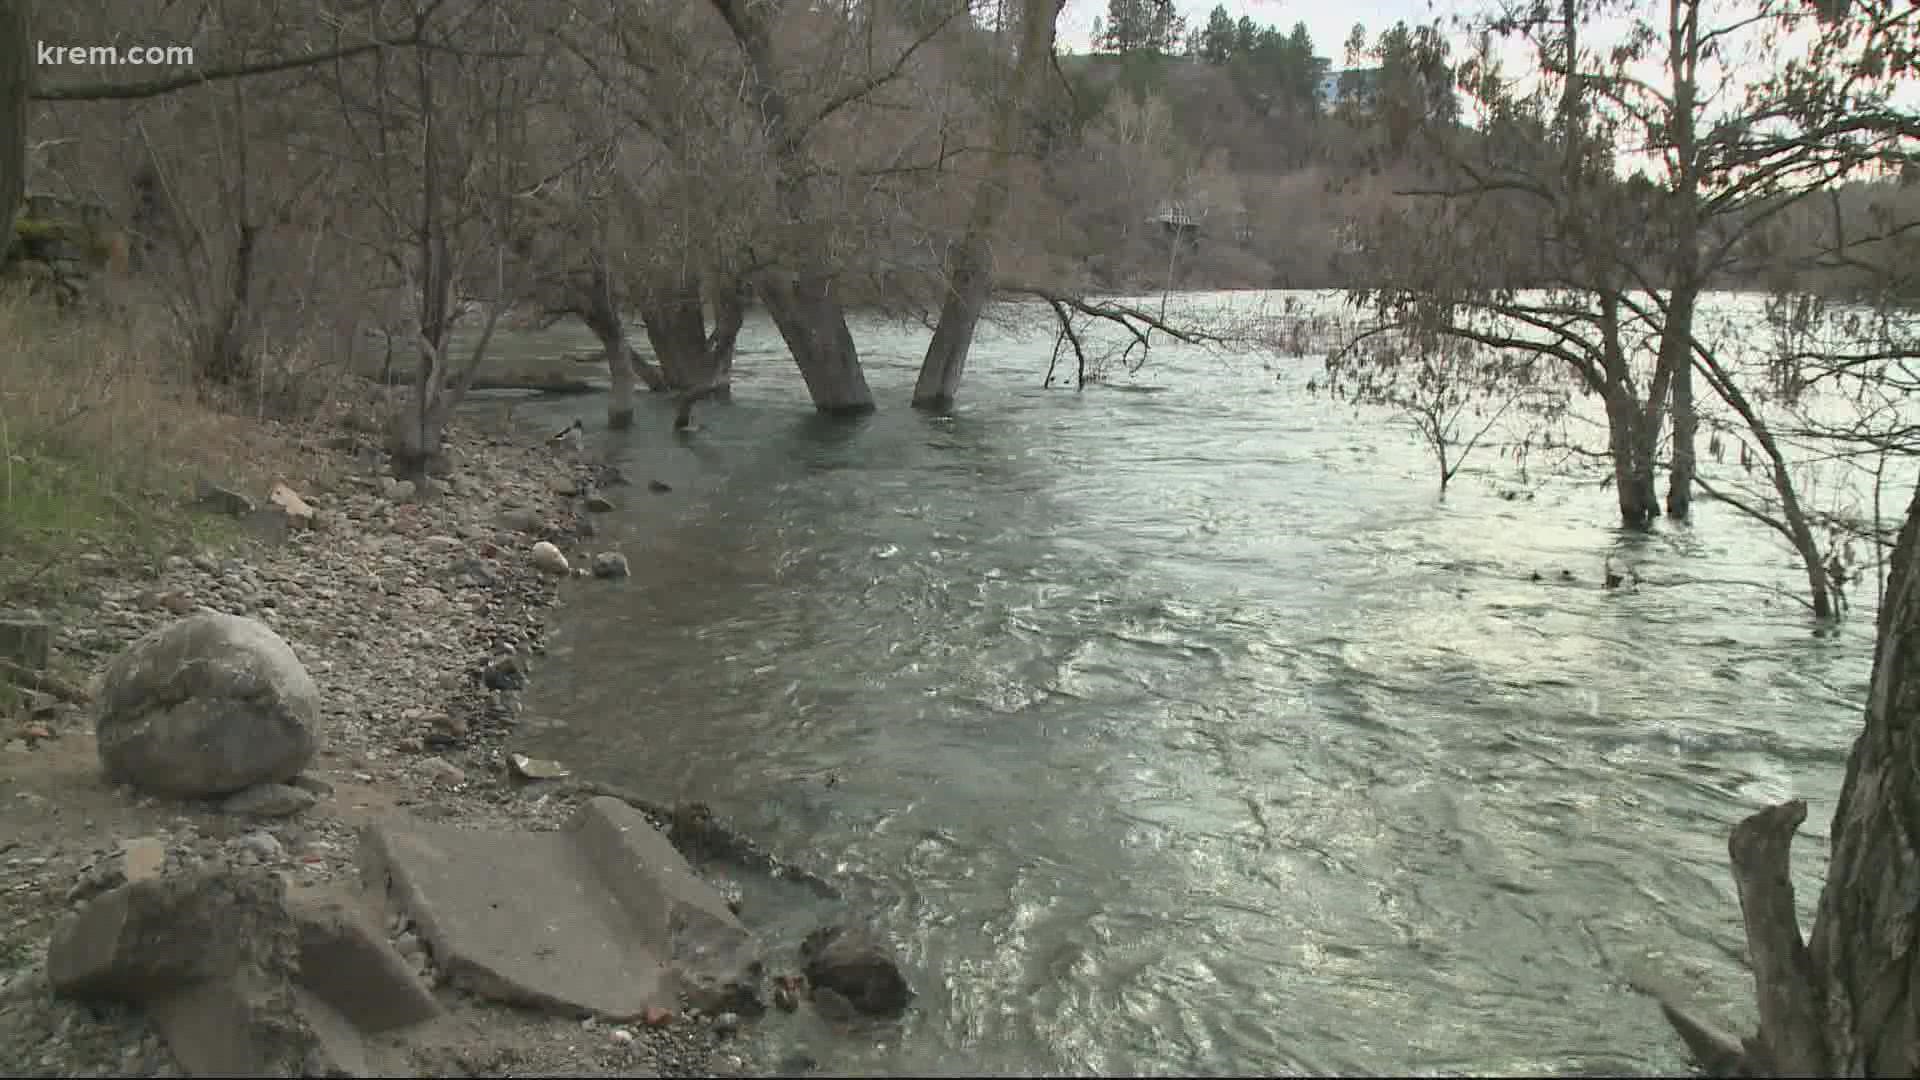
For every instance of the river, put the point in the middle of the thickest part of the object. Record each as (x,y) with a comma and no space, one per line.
(1190,731)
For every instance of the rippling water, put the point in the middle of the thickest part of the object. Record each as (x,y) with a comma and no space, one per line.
(1189,732)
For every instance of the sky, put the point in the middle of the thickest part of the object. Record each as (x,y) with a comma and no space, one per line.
(1329,22)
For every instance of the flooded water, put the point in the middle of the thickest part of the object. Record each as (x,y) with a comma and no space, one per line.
(1190,732)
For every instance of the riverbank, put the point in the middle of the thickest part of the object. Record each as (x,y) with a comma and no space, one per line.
(397,608)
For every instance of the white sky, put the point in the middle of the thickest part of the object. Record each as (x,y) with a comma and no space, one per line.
(1328,22)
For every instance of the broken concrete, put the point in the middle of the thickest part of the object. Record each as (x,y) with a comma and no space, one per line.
(240,980)
(603,918)
(345,961)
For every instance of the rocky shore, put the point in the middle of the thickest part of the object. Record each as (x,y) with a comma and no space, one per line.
(417,620)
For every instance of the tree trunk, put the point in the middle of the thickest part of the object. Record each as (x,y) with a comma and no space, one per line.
(602,316)
(1686,422)
(1632,448)
(969,284)
(970,264)
(1865,952)
(677,329)
(814,327)
(729,314)
(1843,1002)
(801,303)
(16,83)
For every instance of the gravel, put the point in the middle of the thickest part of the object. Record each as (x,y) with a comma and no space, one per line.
(419,621)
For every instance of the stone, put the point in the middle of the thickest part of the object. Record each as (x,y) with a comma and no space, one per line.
(599,504)
(299,513)
(516,917)
(158,934)
(263,846)
(854,964)
(216,499)
(143,859)
(26,640)
(548,559)
(207,706)
(521,519)
(345,960)
(564,485)
(269,800)
(504,672)
(528,768)
(397,490)
(610,564)
(659,487)
(601,918)
(239,978)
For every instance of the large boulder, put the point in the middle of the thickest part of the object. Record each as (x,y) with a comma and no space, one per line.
(207,706)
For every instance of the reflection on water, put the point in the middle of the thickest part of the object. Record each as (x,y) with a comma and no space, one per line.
(1189,732)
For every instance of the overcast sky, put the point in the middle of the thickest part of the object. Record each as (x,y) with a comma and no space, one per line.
(1329,22)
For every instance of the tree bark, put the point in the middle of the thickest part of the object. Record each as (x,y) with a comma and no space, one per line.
(1632,449)
(676,327)
(1677,335)
(970,264)
(16,85)
(729,315)
(814,326)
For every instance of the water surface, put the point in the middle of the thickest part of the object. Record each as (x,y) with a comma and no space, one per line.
(1189,732)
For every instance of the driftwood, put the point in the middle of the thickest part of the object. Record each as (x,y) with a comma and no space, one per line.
(1791,1040)
(28,679)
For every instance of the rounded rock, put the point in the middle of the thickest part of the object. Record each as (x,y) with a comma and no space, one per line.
(207,706)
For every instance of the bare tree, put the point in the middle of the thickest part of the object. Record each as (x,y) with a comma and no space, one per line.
(443,144)
(799,288)
(970,260)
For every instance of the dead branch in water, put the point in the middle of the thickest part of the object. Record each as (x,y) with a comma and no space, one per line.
(683,405)
(1791,1036)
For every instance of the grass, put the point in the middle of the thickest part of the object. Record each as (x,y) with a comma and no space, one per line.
(103,440)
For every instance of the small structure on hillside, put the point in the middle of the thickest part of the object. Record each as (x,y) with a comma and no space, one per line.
(1176,219)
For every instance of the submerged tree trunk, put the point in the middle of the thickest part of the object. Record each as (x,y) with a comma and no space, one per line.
(814,326)
(1686,421)
(16,83)
(1631,446)
(676,327)
(602,316)
(801,302)
(970,265)
(729,314)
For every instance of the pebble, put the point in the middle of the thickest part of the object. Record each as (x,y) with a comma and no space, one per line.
(397,608)
(547,558)
(263,845)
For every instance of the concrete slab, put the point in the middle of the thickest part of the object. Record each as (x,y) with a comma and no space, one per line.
(520,918)
(348,964)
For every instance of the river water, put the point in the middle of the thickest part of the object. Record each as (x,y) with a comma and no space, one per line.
(1189,731)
